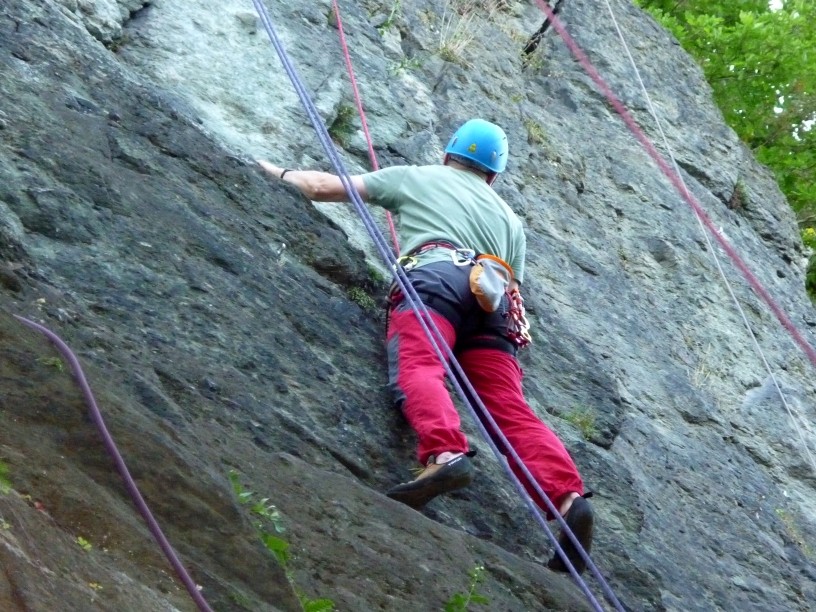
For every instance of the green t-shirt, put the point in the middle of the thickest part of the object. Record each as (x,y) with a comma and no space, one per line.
(444,203)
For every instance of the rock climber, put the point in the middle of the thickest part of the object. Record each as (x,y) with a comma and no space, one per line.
(450,218)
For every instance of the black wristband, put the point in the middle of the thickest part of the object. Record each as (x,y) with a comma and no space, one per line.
(284,173)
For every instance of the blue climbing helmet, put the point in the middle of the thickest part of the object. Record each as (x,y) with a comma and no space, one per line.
(482,143)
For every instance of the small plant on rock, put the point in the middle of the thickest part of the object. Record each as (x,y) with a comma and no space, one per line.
(265,514)
(52,362)
(342,128)
(375,275)
(794,533)
(584,419)
(84,544)
(404,65)
(739,196)
(535,133)
(460,602)
(391,20)
(5,483)
(459,27)
(362,299)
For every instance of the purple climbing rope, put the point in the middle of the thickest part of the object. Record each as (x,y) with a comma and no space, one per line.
(110,445)
(452,368)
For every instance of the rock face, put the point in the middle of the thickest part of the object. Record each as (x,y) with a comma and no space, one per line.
(228,326)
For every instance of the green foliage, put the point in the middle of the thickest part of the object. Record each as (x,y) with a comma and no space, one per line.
(342,128)
(761,65)
(277,546)
(241,600)
(264,515)
(794,533)
(810,279)
(809,237)
(363,300)
(316,605)
(404,65)
(739,197)
(460,602)
(584,419)
(84,544)
(392,18)
(375,275)
(5,482)
(52,362)
(461,23)
(261,508)
(535,133)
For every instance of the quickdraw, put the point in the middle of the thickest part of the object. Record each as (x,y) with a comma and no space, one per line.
(518,328)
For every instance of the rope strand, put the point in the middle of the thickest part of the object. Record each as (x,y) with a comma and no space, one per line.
(676,181)
(121,467)
(358,101)
(445,355)
(707,238)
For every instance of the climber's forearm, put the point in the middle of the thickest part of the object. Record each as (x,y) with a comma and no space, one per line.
(315,185)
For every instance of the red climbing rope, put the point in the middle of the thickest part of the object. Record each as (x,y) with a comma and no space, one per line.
(676,181)
(371,155)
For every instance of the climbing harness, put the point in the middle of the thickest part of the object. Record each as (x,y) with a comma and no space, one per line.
(410,260)
(443,352)
(489,282)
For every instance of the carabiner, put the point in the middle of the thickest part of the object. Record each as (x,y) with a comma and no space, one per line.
(463,257)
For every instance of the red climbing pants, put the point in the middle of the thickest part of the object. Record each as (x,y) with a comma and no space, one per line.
(418,379)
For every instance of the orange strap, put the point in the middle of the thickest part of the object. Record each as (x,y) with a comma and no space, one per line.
(506,265)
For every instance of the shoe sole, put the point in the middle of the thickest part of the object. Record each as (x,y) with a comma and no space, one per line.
(581,521)
(419,492)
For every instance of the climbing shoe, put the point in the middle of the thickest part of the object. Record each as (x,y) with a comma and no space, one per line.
(580,519)
(435,479)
